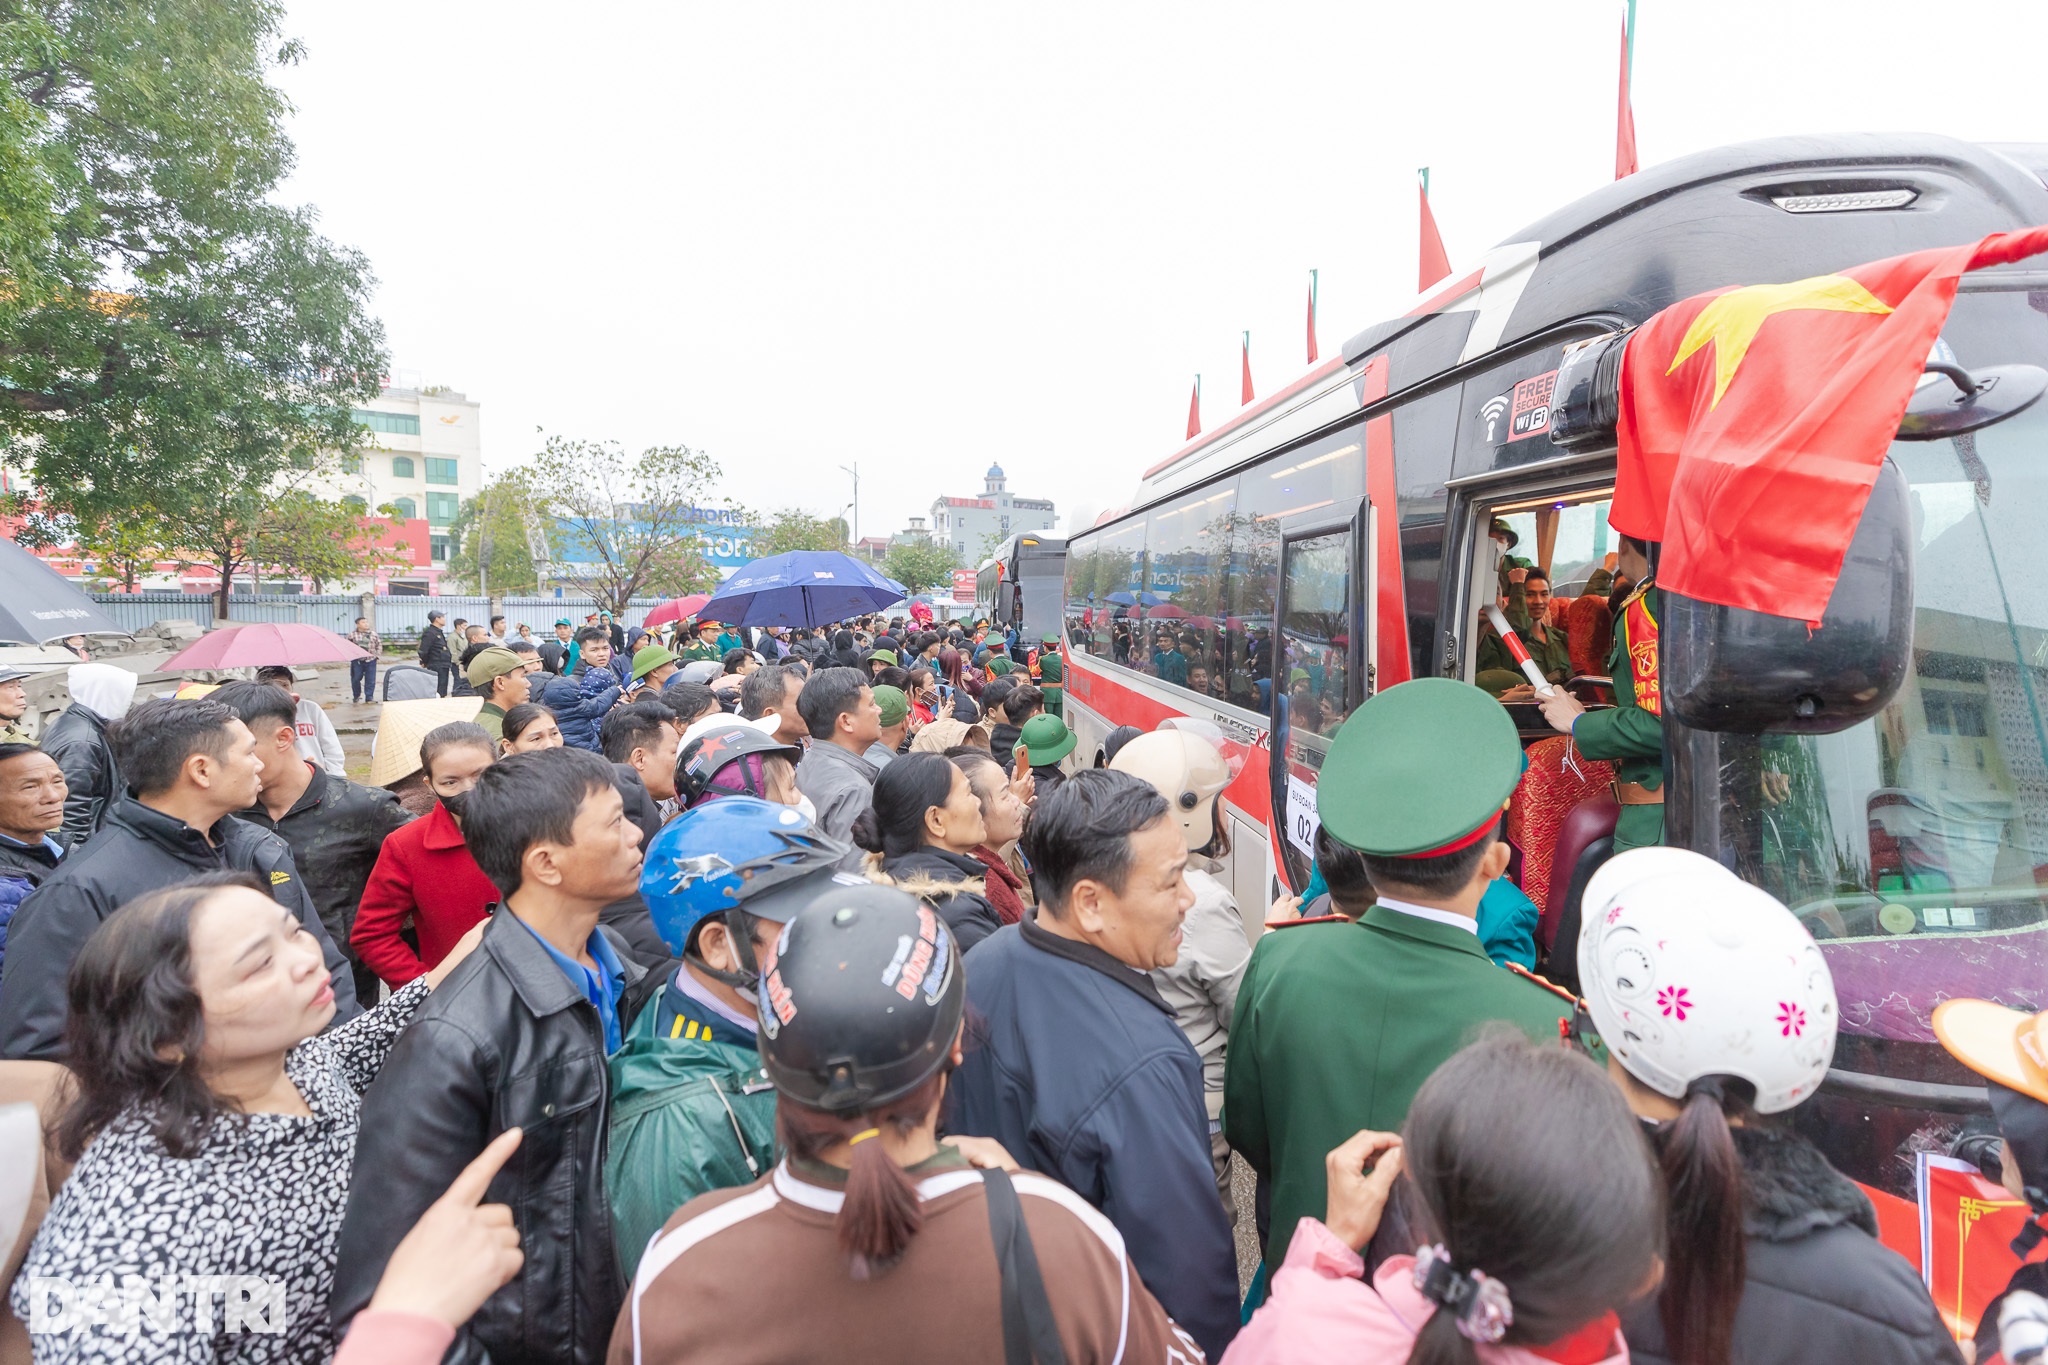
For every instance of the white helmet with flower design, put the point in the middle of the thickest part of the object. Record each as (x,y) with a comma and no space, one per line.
(1691,972)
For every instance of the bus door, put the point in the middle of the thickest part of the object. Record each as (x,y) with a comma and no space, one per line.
(1312,661)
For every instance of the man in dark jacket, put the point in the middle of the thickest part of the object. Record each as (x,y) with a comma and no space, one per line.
(515,1036)
(335,827)
(640,741)
(31,809)
(190,765)
(434,651)
(77,739)
(1082,1072)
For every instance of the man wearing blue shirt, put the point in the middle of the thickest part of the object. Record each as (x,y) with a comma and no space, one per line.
(517,1036)
(32,794)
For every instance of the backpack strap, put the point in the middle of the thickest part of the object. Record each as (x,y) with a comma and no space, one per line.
(1030,1335)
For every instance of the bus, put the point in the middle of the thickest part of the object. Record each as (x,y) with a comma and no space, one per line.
(1339,537)
(1020,585)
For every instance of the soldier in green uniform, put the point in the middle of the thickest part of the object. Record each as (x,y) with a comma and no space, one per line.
(1338,1024)
(1528,611)
(1632,734)
(704,645)
(1052,673)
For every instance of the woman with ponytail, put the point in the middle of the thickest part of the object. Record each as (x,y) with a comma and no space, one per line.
(920,833)
(872,1240)
(1715,1009)
(1535,1212)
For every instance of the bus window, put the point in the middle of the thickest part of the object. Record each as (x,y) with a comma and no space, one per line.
(1187,548)
(1315,633)
(1565,551)
(1248,635)
(1105,575)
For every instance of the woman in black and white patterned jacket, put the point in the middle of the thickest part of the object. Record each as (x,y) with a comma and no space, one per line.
(214,1130)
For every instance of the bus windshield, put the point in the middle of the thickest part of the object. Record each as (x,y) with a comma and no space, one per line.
(1915,845)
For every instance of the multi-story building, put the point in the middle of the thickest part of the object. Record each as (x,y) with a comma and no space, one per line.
(421,456)
(975,526)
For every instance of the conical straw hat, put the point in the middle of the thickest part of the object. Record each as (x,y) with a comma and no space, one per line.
(401,725)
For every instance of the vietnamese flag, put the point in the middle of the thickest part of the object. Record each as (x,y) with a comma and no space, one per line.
(1195,410)
(1247,385)
(1754,420)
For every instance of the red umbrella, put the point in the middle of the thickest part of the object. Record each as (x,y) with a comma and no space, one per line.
(253,646)
(676,609)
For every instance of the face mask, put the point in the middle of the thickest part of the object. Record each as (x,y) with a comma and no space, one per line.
(456,803)
(1500,552)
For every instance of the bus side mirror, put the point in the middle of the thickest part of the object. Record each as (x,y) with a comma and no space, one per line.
(1743,672)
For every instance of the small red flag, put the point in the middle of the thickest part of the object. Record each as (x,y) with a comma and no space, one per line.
(1625,118)
(1247,369)
(1436,262)
(1195,410)
(1311,317)
(1754,420)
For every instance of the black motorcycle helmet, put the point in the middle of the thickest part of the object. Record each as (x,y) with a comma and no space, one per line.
(705,755)
(864,1001)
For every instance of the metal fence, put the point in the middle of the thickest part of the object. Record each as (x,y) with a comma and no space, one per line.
(397,618)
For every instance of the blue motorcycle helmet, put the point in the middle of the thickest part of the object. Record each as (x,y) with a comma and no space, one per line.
(740,858)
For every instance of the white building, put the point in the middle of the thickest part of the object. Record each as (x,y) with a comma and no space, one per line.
(975,526)
(422,455)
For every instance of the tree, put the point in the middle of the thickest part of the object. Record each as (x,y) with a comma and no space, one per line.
(495,535)
(794,529)
(301,535)
(626,527)
(166,326)
(920,565)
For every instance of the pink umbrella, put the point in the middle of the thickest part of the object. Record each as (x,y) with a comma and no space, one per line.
(676,609)
(253,646)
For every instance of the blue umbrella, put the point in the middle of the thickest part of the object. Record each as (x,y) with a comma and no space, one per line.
(801,588)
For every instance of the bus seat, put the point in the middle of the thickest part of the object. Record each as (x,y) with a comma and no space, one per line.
(1557,933)
(1587,827)
(1537,811)
(1589,634)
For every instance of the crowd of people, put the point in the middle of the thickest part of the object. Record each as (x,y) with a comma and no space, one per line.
(781,995)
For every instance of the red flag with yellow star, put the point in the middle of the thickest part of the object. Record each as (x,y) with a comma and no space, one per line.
(1754,420)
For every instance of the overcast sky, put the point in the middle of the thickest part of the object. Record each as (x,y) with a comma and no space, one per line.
(925,237)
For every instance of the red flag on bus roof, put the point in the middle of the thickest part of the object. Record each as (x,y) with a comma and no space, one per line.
(1195,410)
(1247,369)
(1754,420)
(1625,117)
(1436,262)
(1311,317)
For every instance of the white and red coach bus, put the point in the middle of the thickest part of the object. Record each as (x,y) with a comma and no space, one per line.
(1334,539)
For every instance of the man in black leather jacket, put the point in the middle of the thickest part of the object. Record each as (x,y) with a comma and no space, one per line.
(189,763)
(516,1036)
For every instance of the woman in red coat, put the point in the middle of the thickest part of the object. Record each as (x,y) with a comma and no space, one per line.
(424,874)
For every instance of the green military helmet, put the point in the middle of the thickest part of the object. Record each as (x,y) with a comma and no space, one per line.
(1421,770)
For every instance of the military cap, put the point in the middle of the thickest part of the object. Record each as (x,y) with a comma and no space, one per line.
(894,704)
(1421,770)
(493,663)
